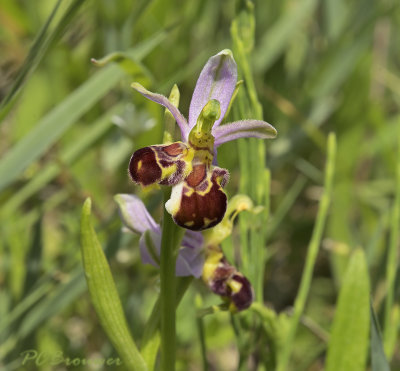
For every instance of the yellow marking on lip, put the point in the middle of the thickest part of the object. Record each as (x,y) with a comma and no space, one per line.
(207,221)
(235,286)
(209,185)
(150,187)
(186,156)
(188,190)
(189,224)
(204,156)
(167,171)
(139,165)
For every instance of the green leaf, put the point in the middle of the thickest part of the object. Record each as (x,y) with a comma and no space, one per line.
(150,350)
(390,338)
(348,346)
(392,313)
(104,294)
(378,358)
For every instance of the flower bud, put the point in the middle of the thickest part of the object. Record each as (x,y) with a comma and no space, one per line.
(224,280)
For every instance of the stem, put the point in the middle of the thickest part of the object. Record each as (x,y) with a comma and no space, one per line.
(171,236)
(243,221)
(256,161)
(283,357)
(392,257)
(260,239)
(170,242)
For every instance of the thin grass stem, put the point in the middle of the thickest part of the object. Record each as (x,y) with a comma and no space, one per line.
(313,248)
(392,258)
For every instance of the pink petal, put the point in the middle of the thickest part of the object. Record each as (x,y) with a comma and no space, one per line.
(217,81)
(243,129)
(134,214)
(161,99)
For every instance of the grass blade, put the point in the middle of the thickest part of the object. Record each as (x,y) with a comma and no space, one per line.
(38,51)
(392,264)
(283,357)
(378,358)
(273,43)
(52,304)
(348,345)
(51,127)
(68,157)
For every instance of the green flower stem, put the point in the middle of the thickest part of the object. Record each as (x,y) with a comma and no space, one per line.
(392,263)
(243,221)
(284,355)
(171,237)
(259,241)
(170,242)
(242,31)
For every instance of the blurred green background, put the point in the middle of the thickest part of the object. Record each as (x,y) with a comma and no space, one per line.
(68,129)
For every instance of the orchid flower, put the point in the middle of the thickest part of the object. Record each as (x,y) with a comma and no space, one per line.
(199,256)
(198,200)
